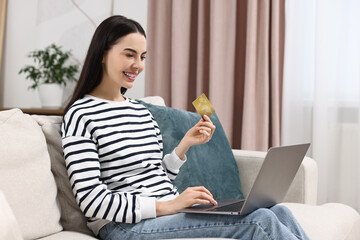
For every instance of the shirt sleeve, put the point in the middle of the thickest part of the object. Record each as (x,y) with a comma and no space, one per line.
(171,162)
(92,195)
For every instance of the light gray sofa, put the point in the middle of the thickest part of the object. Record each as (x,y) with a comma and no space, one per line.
(36,200)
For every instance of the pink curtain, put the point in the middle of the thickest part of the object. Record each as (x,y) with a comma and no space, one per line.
(230,50)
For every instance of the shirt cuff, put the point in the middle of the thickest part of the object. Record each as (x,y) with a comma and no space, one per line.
(173,162)
(147,207)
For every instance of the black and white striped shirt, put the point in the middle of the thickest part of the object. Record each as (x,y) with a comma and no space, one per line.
(113,153)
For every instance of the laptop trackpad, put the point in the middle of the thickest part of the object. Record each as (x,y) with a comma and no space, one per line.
(231,205)
(234,207)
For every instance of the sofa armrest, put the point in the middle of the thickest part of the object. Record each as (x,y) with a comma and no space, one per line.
(9,228)
(302,190)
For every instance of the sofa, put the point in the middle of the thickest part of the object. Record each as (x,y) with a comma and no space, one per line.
(36,201)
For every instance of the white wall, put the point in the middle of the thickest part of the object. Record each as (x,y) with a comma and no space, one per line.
(19,40)
(33,24)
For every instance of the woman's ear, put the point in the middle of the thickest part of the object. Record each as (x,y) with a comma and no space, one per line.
(104,57)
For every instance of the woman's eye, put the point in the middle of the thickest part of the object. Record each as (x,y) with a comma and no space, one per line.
(143,58)
(129,55)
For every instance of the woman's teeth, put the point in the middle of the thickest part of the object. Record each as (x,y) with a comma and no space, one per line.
(130,75)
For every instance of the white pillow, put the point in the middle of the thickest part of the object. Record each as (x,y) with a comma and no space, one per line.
(25,176)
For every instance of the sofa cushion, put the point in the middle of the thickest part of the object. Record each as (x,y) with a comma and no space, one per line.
(330,221)
(211,165)
(72,219)
(9,228)
(25,176)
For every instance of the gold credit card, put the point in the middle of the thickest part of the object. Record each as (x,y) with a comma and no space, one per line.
(203,106)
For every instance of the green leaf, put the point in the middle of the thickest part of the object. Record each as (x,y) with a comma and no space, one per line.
(51,65)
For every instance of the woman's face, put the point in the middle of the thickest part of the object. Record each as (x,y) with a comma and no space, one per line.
(124,61)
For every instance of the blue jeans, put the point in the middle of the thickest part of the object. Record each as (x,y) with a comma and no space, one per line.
(274,223)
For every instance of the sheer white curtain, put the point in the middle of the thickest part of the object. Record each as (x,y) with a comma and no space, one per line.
(321,92)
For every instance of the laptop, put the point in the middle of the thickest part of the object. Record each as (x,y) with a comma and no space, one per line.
(270,187)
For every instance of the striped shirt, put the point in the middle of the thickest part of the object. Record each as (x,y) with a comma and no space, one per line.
(114,159)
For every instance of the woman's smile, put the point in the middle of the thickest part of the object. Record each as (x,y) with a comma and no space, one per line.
(131,76)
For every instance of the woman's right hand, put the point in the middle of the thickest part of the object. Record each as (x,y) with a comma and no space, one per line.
(189,197)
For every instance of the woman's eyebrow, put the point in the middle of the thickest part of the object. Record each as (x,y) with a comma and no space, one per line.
(134,51)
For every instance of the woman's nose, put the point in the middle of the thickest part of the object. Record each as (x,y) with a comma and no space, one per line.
(138,64)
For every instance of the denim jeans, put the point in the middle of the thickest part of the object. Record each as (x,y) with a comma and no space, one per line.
(274,223)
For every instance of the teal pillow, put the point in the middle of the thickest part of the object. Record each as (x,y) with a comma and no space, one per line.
(211,165)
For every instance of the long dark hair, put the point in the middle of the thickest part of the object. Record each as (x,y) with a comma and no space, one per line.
(105,36)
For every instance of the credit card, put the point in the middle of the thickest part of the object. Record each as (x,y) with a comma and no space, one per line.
(203,106)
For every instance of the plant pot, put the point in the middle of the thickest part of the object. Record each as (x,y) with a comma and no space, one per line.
(51,95)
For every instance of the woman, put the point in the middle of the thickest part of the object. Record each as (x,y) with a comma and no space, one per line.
(113,152)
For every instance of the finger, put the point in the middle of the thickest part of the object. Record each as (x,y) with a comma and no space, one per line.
(207,197)
(200,195)
(205,194)
(206,118)
(206,133)
(201,201)
(202,189)
(204,123)
(204,128)
(213,130)
(207,124)
(210,123)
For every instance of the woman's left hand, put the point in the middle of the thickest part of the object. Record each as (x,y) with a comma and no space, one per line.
(201,133)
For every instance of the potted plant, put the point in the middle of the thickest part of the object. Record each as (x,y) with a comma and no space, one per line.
(50,74)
